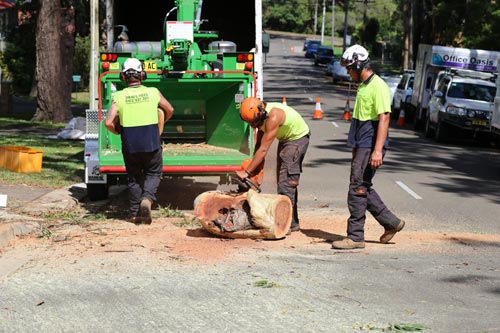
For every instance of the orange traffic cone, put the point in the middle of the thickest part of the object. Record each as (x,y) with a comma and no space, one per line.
(347,111)
(401,119)
(284,100)
(318,113)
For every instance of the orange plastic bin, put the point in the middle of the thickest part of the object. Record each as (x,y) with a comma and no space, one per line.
(21,159)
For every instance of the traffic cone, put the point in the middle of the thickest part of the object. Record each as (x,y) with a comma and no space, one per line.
(401,119)
(347,111)
(318,113)
(284,100)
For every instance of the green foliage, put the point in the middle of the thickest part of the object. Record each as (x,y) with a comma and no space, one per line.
(291,16)
(19,56)
(264,283)
(81,58)
(405,328)
(6,75)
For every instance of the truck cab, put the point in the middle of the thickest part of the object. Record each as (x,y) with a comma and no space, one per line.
(434,61)
(463,100)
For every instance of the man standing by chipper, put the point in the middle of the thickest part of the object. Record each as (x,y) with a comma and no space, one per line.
(139,126)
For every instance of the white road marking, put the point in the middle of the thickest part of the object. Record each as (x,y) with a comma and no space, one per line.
(335,124)
(408,190)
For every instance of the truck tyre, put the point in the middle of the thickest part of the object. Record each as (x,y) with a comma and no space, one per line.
(97,192)
(441,132)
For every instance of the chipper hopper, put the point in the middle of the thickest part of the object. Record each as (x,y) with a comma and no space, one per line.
(203,78)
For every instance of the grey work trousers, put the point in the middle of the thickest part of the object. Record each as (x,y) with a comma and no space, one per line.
(289,166)
(362,197)
(144,172)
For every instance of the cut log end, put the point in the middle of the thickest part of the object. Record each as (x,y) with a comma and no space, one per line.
(269,215)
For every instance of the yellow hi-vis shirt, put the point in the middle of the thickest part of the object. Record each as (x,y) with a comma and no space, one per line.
(138,112)
(137,106)
(294,126)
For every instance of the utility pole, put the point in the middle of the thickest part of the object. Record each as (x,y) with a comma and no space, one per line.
(94,51)
(315,18)
(406,38)
(333,23)
(410,27)
(110,24)
(346,6)
(323,23)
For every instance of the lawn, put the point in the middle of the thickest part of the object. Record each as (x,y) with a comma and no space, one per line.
(62,161)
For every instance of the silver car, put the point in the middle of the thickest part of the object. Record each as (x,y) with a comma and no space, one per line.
(338,72)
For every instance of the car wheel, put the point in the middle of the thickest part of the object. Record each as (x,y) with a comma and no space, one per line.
(394,113)
(428,129)
(441,132)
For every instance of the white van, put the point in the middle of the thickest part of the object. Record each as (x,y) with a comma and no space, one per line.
(402,95)
(463,100)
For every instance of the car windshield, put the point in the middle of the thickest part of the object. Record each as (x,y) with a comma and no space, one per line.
(326,52)
(472,91)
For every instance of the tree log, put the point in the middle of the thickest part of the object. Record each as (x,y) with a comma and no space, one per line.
(269,215)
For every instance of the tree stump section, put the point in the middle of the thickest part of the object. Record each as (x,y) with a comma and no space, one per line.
(244,215)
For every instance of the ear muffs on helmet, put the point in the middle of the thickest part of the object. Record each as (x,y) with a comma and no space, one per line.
(262,114)
(253,110)
(359,64)
(142,76)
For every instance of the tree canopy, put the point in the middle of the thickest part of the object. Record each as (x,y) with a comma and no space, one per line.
(458,23)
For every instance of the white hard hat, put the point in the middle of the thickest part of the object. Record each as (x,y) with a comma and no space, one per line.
(133,64)
(353,54)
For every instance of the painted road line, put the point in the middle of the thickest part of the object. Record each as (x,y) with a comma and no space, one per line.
(335,124)
(408,190)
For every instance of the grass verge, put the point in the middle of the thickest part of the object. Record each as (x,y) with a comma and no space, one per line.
(62,161)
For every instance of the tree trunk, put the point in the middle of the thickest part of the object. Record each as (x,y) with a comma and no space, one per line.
(54,63)
(269,215)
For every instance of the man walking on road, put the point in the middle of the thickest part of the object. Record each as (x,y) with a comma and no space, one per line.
(278,121)
(139,126)
(368,137)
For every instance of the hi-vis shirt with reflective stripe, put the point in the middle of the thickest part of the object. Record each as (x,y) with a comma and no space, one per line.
(137,106)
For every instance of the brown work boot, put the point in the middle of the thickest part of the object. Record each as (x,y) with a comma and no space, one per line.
(347,244)
(144,215)
(131,217)
(293,228)
(388,234)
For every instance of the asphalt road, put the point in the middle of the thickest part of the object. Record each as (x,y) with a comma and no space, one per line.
(455,185)
(442,272)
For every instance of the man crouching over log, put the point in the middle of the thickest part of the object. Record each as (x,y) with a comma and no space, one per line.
(278,121)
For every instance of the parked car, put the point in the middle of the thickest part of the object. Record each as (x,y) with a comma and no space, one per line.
(402,95)
(324,55)
(392,81)
(337,71)
(463,100)
(310,41)
(311,49)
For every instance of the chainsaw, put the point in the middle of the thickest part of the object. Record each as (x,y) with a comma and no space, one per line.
(252,182)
